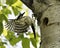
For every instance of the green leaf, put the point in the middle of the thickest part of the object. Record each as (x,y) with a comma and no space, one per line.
(6,11)
(1,28)
(38,37)
(9,35)
(31,35)
(2,45)
(3,17)
(15,10)
(10,2)
(12,39)
(26,43)
(21,36)
(18,5)
(34,42)
(0,4)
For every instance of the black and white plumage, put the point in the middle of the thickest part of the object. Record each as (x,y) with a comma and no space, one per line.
(20,24)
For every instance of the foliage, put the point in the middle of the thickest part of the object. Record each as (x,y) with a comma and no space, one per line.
(26,43)
(2,44)
(10,2)
(34,42)
(12,39)
(1,28)
(16,6)
(15,10)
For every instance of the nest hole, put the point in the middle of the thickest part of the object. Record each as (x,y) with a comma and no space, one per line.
(45,21)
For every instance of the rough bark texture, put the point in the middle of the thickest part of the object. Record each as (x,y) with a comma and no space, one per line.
(47,13)
(50,27)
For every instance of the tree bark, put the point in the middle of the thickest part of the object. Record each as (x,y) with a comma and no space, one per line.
(47,13)
(50,27)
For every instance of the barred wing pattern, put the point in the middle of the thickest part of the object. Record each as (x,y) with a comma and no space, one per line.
(19,26)
(10,24)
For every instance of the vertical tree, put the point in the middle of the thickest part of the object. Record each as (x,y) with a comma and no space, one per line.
(47,12)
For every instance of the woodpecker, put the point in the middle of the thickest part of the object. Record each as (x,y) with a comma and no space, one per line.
(20,24)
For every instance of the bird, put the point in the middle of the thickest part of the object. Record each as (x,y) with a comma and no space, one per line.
(20,24)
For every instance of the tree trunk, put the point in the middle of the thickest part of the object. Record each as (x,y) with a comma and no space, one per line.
(47,13)
(50,27)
